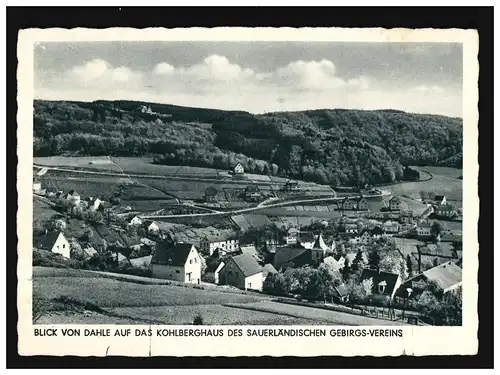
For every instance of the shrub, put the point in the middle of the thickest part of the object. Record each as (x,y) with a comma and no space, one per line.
(198,320)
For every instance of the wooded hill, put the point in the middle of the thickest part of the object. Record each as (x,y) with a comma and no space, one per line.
(337,146)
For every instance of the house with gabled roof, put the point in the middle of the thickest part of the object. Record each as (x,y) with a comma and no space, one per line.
(348,204)
(340,293)
(291,236)
(395,204)
(385,284)
(362,204)
(179,262)
(446,276)
(54,242)
(72,196)
(319,244)
(238,169)
(439,200)
(242,271)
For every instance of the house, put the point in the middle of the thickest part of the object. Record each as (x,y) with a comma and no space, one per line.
(446,210)
(238,169)
(141,262)
(351,228)
(348,204)
(446,276)
(152,227)
(394,204)
(136,220)
(250,250)
(385,284)
(320,244)
(267,269)
(209,243)
(340,293)
(309,257)
(252,193)
(390,227)
(439,200)
(306,240)
(54,242)
(332,264)
(89,251)
(364,238)
(291,236)
(423,232)
(211,194)
(291,186)
(37,185)
(121,259)
(362,204)
(94,203)
(73,197)
(241,271)
(377,233)
(179,262)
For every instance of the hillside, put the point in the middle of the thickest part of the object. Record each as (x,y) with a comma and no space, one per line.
(338,147)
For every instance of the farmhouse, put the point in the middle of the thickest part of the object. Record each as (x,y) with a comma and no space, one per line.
(241,271)
(94,203)
(365,238)
(395,204)
(423,232)
(209,243)
(308,257)
(385,284)
(250,250)
(446,210)
(179,262)
(362,204)
(238,169)
(306,240)
(341,293)
(291,236)
(351,228)
(291,186)
(54,242)
(152,226)
(447,277)
(73,197)
(136,220)
(348,204)
(439,200)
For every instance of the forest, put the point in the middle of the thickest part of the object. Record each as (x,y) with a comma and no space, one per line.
(331,146)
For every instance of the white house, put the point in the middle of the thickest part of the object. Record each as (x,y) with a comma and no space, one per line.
(94,203)
(208,245)
(153,227)
(55,242)
(73,197)
(241,271)
(291,236)
(136,220)
(179,262)
(238,169)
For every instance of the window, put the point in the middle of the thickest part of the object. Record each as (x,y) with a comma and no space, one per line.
(177,271)
(190,261)
(196,260)
(64,246)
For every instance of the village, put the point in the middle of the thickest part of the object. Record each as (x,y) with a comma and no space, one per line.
(387,258)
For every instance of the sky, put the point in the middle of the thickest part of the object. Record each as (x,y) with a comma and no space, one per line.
(256,77)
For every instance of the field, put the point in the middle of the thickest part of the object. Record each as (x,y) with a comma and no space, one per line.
(88,162)
(443,182)
(42,211)
(125,302)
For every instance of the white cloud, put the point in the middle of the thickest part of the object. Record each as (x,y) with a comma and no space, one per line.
(100,72)
(216,82)
(430,89)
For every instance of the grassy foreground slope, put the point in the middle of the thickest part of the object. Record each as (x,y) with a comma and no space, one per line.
(338,147)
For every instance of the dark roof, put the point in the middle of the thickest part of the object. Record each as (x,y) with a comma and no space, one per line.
(211,190)
(173,255)
(285,254)
(47,240)
(380,276)
(247,264)
(269,268)
(306,237)
(438,197)
(252,188)
(445,275)
(341,290)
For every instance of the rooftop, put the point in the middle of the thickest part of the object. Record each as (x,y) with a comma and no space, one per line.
(247,264)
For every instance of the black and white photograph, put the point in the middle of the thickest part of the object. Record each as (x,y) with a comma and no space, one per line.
(247,183)
(255,183)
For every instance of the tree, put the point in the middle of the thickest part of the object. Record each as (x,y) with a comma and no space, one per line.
(360,291)
(436,228)
(409,265)
(276,284)
(203,265)
(346,270)
(60,225)
(358,263)
(374,259)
